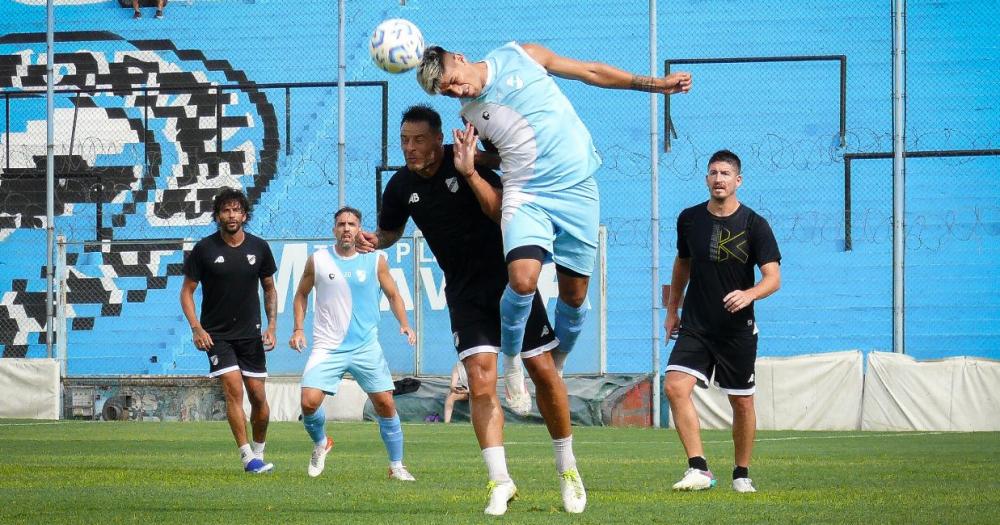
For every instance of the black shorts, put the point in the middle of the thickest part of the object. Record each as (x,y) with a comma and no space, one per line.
(731,358)
(245,355)
(475,327)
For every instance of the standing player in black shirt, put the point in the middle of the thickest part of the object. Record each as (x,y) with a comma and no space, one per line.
(718,244)
(458,211)
(229,264)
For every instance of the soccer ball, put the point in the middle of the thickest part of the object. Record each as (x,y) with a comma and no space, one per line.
(396,45)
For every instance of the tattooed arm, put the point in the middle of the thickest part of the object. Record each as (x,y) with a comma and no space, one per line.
(606,76)
(271,309)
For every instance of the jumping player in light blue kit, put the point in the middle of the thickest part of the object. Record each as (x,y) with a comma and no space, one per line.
(551,206)
(345,337)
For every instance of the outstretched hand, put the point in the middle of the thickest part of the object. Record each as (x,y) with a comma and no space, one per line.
(465,150)
(677,83)
(365,242)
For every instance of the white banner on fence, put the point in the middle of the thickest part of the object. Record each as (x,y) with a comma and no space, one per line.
(29,388)
(809,392)
(284,395)
(961,393)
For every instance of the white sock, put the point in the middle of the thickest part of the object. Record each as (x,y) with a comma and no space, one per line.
(395,464)
(246,453)
(565,459)
(322,444)
(258,450)
(496,463)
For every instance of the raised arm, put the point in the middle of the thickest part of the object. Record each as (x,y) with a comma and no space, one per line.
(367,242)
(299,305)
(604,75)
(391,292)
(490,198)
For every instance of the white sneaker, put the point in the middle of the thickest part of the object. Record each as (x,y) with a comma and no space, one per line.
(574,496)
(500,494)
(743,485)
(318,461)
(695,479)
(400,473)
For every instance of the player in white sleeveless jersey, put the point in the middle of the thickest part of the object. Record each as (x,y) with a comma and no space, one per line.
(348,288)
(551,207)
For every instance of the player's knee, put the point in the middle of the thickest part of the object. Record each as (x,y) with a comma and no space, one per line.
(384,406)
(310,403)
(524,284)
(676,390)
(743,404)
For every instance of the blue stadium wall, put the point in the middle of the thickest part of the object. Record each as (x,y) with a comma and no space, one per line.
(783,118)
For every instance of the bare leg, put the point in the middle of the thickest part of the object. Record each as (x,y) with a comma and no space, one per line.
(232,389)
(449,404)
(550,394)
(383,403)
(678,388)
(487,416)
(744,428)
(260,411)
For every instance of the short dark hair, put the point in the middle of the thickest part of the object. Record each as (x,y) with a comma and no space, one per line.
(227,195)
(724,155)
(422,113)
(347,209)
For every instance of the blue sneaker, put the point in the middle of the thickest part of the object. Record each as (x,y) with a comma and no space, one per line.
(256,466)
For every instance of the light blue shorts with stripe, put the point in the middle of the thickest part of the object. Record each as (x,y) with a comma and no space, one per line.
(367,364)
(564,223)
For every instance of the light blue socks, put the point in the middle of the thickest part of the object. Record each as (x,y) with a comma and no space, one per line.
(392,436)
(514,310)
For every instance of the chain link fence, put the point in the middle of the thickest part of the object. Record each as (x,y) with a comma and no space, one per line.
(152,116)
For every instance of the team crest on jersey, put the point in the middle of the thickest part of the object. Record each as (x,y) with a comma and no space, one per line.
(486,115)
(414,198)
(515,82)
(452,184)
(331,276)
(361,276)
(251,258)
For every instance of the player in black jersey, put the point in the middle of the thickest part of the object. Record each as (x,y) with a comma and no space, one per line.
(718,244)
(457,208)
(229,264)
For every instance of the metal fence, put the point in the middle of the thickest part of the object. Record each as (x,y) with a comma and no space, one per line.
(803,93)
(119,311)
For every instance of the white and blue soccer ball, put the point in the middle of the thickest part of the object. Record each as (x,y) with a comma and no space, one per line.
(396,45)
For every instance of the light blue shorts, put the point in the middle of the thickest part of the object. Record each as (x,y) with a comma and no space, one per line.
(367,364)
(565,224)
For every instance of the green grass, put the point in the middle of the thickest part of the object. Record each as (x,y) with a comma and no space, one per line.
(80,472)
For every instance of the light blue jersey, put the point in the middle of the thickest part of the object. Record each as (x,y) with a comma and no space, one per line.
(347,300)
(345,324)
(548,160)
(543,144)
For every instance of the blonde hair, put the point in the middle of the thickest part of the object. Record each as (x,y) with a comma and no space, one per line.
(431,69)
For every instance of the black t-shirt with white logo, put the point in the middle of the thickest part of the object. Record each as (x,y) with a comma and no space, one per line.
(723,253)
(229,277)
(467,244)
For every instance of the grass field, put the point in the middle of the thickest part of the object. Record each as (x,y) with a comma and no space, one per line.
(82,472)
